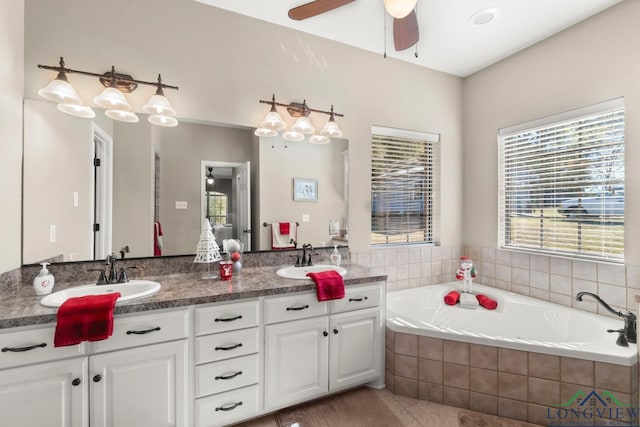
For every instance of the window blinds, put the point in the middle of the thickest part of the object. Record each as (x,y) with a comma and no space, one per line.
(562,184)
(402,187)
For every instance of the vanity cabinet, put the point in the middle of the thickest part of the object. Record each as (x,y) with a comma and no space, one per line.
(137,377)
(227,363)
(312,348)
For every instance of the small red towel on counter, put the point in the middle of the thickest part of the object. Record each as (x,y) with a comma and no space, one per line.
(88,318)
(452,298)
(486,302)
(284,228)
(329,285)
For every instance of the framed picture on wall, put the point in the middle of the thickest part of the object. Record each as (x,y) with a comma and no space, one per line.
(305,190)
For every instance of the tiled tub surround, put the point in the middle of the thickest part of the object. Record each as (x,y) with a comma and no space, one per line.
(548,278)
(509,383)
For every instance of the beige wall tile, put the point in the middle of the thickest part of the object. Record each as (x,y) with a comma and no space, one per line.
(586,270)
(456,352)
(456,397)
(613,274)
(539,263)
(406,366)
(456,375)
(538,415)
(577,371)
(512,386)
(520,260)
(483,381)
(483,403)
(503,257)
(431,392)
(483,356)
(512,361)
(512,409)
(613,377)
(406,344)
(389,361)
(389,339)
(544,392)
(430,371)
(406,387)
(544,366)
(430,348)
(560,266)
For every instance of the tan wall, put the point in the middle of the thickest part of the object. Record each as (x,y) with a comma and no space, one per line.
(11,86)
(593,61)
(224,63)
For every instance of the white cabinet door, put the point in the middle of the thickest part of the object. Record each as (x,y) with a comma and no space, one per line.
(296,365)
(140,387)
(355,355)
(46,394)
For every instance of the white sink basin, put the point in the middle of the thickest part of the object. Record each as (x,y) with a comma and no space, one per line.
(131,290)
(301,272)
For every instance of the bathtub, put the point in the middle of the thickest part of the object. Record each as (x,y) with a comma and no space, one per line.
(519,323)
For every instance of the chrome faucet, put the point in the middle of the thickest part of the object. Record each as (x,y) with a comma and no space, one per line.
(628,334)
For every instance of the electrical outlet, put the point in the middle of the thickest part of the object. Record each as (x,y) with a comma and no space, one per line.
(306,217)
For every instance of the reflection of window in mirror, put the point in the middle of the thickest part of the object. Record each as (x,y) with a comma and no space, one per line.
(217,208)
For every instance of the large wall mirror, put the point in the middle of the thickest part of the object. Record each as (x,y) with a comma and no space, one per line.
(148,175)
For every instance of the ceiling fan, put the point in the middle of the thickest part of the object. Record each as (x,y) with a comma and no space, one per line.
(405,23)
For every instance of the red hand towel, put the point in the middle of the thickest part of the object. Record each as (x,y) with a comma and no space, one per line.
(284,228)
(486,302)
(329,285)
(88,318)
(452,298)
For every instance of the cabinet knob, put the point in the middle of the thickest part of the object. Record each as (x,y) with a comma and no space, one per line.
(97,378)
(76,382)
(325,333)
(335,331)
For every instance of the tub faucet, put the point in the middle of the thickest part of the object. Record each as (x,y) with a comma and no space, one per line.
(628,334)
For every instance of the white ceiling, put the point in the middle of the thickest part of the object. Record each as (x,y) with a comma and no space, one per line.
(449,41)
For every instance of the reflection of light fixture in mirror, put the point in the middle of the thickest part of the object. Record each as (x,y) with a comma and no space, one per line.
(111,98)
(302,125)
(210,179)
(319,139)
(77,110)
(293,136)
(122,116)
(399,8)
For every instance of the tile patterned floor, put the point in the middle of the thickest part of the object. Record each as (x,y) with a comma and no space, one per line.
(412,413)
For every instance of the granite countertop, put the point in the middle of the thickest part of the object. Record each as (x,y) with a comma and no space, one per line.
(22,308)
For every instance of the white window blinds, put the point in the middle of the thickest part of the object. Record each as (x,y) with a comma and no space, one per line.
(402,186)
(562,184)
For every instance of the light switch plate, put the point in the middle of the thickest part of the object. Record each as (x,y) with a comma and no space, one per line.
(305,217)
(181,204)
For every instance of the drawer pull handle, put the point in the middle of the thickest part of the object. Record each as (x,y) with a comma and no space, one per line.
(231,347)
(358,299)
(19,349)
(229,407)
(325,333)
(335,331)
(228,377)
(228,319)
(97,378)
(298,308)
(157,328)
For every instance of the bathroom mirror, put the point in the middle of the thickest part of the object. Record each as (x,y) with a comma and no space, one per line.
(149,174)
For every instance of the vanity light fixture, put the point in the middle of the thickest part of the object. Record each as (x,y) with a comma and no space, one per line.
(112,98)
(399,8)
(273,123)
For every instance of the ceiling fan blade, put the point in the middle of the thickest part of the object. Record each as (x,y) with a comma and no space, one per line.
(405,31)
(314,8)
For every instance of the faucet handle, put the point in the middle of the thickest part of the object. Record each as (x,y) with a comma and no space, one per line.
(622,339)
(102,280)
(124,277)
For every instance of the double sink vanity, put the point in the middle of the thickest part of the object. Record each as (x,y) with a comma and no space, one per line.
(192,352)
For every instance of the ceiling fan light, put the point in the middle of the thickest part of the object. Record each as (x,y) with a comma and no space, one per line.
(77,110)
(112,99)
(293,136)
(319,139)
(160,105)
(303,125)
(265,133)
(164,121)
(399,8)
(273,121)
(331,129)
(60,91)
(122,116)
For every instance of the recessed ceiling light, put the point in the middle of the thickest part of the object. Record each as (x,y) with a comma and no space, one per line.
(484,16)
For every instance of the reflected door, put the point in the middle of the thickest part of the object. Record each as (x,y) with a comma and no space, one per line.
(243,178)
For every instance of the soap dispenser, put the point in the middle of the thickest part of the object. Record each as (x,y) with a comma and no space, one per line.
(335,256)
(44,281)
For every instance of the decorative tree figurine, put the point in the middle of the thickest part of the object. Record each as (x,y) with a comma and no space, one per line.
(208,250)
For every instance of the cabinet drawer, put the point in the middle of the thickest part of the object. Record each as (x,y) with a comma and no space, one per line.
(135,330)
(226,375)
(27,346)
(227,317)
(357,297)
(292,307)
(210,348)
(225,408)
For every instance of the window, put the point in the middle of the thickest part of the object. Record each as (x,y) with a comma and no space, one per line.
(562,184)
(403,174)
(217,208)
